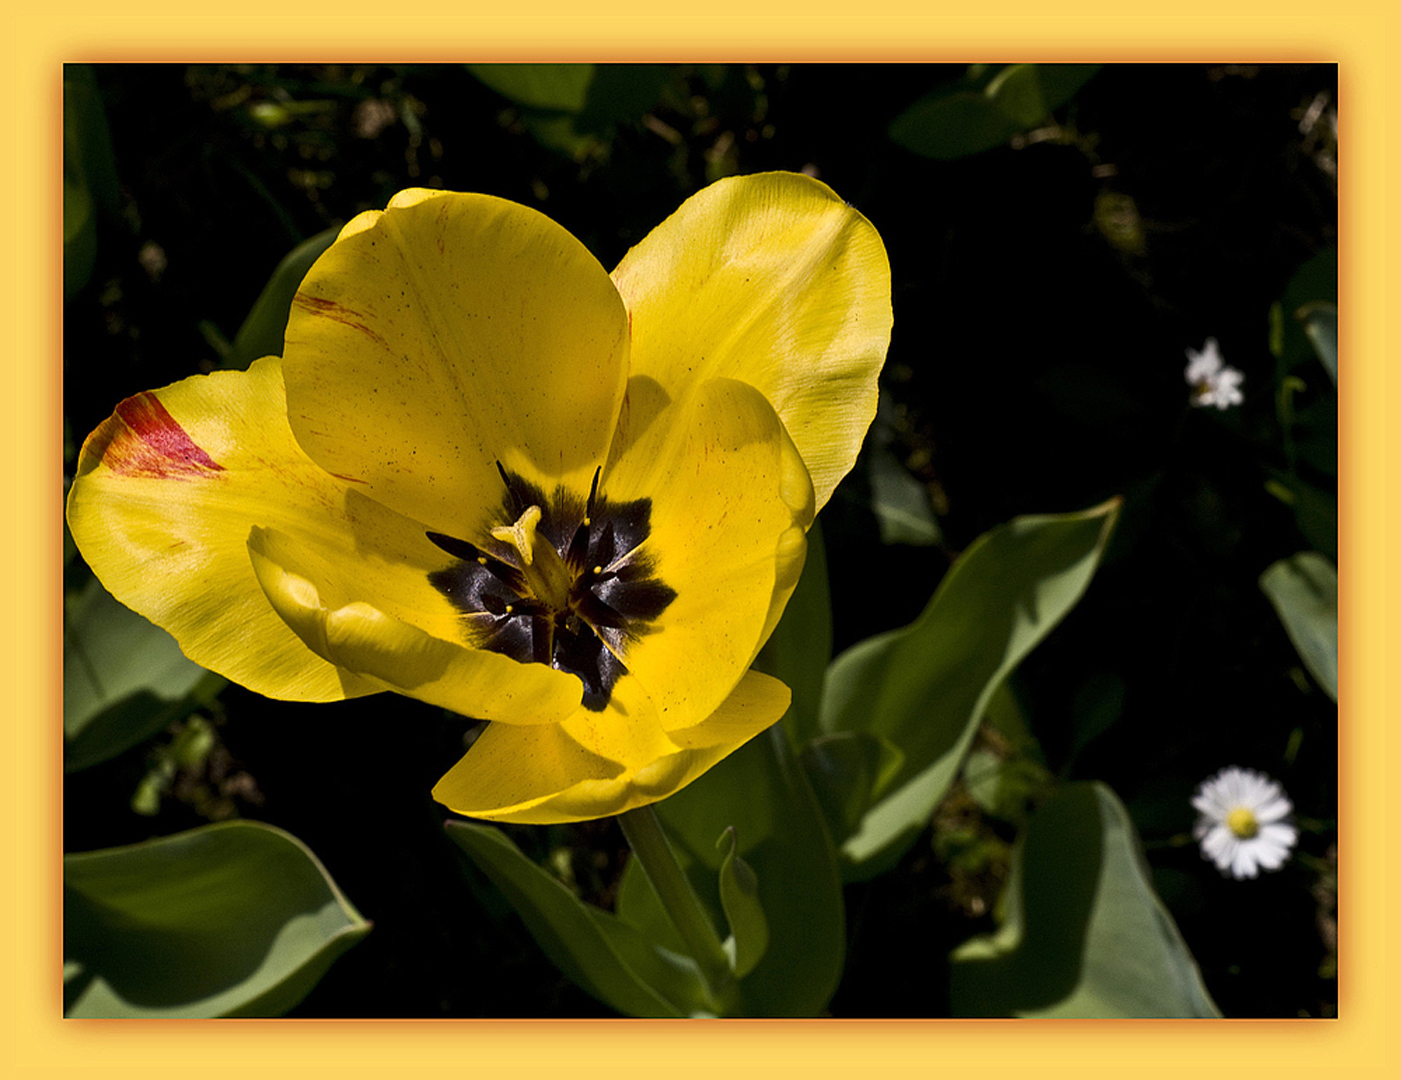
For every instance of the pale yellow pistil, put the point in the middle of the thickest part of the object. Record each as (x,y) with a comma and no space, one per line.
(544,571)
(1241,821)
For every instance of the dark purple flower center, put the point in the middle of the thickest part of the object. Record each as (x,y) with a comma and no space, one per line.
(564,583)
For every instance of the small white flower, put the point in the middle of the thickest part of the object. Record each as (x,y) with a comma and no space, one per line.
(1213,382)
(1244,823)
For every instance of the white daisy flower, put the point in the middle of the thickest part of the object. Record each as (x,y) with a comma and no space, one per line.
(1213,382)
(1244,824)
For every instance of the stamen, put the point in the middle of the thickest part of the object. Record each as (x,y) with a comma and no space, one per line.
(516,500)
(593,494)
(453,546)
(564,584)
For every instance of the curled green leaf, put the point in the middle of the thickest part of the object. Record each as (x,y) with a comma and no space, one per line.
(739,896)
(233,919)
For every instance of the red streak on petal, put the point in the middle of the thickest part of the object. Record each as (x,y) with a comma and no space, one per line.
(341,314)
(142,439)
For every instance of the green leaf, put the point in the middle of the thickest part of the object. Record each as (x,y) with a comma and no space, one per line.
(924,688)
(977,115)
(603,954)
(262,331)
(1004,787)
(952,124)
(1314,283)
(79,237)
(124,679)
(1061,82)
(87,140)
(1320,321)
(1097,706)
(559,87)
(1084,935)
(89,175)
(560,132)
(800,646)
(1016,90)
(739,896)
(1315,510)
(762,792)
(849,771)
(1304,592)
(234,919)
(900,502)
(622,93)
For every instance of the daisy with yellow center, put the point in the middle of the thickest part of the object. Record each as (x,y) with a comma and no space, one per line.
(1243,823)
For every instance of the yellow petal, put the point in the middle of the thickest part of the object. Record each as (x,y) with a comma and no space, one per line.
(731,501)
(599,764)
(166,491)
(446,333)
(772,280)
(169,490)
(360,638)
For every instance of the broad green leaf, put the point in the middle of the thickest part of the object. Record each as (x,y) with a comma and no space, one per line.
(739,896)
(1016,90)
(560,132)
(849,771)
(1084,934)
(262,331)
(762,793)
(924,688)
(800,646)
(952,124)
(234,919)
(983,112)
(603,954)
(124,679)
(1304,592)
(89,175)
(87,139)
(1320,322)
(558,87)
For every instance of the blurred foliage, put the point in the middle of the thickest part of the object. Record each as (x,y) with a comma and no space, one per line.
(236,919)
(1084,933)
(1058,235)
(986,108)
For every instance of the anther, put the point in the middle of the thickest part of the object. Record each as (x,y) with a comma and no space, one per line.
(593,495)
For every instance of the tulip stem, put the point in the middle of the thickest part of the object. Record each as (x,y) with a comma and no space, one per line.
(649,844)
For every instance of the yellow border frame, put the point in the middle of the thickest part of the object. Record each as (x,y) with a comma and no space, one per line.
(1361,37)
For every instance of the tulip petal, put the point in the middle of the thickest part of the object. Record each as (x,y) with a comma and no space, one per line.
(772,280)
(731,501)
(600,764)
(166,491)
(359,638)
(447,333)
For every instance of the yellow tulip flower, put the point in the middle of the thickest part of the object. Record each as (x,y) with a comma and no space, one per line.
(489,475)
